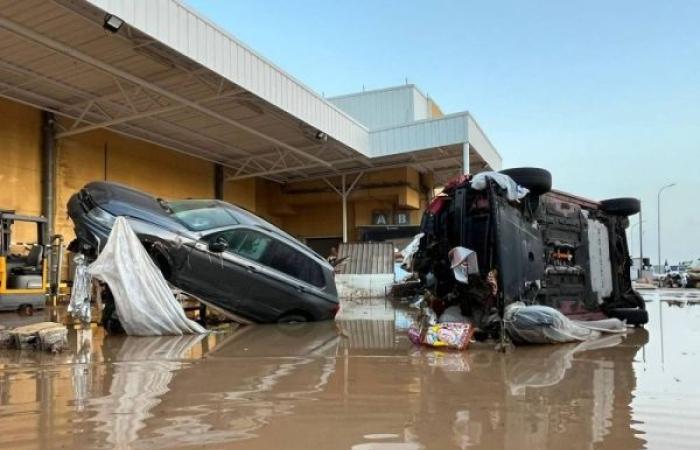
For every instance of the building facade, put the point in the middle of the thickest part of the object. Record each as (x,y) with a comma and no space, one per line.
(169,103)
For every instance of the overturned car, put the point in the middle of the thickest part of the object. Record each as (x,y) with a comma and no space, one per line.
(532,245)
(214,251)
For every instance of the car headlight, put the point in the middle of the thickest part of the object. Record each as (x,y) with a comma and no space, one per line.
(102,217)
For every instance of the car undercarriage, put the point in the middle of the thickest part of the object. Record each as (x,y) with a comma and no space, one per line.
(548,248)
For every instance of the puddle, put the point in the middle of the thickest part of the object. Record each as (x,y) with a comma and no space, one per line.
(361,385)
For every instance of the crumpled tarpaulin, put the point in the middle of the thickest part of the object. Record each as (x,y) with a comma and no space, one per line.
(539,324)
(144,302)
(514,192)
(79,306)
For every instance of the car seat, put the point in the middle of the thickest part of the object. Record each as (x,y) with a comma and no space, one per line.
(33,262)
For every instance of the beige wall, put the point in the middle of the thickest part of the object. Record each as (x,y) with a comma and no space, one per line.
(102,155)
(20,163)
(307,209)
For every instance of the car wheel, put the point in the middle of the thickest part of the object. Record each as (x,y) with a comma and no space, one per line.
(624,207)
(292,318)
(26,310)
(633,316)
(538,181)
(162,264)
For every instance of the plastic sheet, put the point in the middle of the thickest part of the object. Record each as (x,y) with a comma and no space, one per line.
(463,263)
(537,324)
(456,336)
(514,191)
(144,302)
(79,306)
(409,251)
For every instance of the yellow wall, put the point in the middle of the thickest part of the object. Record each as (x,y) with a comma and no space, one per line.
(315,221)
(306,209)
(102,155)
(20,163)
(241,193)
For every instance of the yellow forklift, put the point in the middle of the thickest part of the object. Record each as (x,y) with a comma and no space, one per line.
(24,270)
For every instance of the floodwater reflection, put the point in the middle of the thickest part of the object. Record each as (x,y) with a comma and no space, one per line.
(356,384)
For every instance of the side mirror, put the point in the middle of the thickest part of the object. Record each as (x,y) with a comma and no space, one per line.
(218,246)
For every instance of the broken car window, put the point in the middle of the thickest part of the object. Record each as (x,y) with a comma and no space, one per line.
(200,215)
(247,243)
(266,250)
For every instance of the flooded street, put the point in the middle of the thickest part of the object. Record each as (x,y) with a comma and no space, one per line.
(360,384)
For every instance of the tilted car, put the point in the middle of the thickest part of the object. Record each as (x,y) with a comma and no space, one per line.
(218,253)
(547,248)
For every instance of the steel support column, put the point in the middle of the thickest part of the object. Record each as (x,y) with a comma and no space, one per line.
(344,193)
(48,171)
(641,253)
(465,158)
(219,181)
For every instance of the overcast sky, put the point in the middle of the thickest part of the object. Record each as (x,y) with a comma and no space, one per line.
(606,95)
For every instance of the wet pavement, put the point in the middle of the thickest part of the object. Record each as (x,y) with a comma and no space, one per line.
(359,384)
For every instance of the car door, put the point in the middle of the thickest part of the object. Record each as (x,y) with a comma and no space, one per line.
(219,278)
(293,282)
(264,295)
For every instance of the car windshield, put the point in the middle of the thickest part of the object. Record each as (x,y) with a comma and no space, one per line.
(200,215)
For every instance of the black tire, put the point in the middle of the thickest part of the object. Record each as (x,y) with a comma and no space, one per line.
(26,310)
(293,318)
(623,207)
(633,316)
(537,181)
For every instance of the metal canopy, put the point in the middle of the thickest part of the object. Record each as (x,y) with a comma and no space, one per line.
(56,55)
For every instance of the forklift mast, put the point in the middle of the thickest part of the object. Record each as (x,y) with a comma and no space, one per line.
(8,218)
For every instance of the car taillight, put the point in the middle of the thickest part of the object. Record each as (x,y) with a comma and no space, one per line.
(335,310)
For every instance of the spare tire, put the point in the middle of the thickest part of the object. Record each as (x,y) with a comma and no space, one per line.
(537,181)
(624,207)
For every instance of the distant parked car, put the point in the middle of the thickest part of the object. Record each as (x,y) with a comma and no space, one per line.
(221,254)
(548,248)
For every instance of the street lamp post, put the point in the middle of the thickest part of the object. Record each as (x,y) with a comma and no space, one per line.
(658,211)
(632,227)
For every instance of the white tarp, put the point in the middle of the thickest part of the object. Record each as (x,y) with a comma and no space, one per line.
(540,324)
(144,302)
(514,192)
(409,251)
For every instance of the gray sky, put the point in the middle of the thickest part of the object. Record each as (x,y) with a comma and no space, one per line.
(606,96)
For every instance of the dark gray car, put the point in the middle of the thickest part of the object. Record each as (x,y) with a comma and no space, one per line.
(219,253)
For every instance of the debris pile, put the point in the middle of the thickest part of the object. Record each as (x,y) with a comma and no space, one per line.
(44,336)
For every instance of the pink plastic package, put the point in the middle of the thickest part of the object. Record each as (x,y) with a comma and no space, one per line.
(450,335)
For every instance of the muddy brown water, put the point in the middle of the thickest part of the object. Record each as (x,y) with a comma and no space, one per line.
(359,384)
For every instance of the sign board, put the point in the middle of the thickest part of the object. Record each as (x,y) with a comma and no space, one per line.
(402,218)
(380,218)
(385,218)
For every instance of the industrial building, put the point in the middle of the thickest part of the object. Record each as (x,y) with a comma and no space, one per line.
(153,95)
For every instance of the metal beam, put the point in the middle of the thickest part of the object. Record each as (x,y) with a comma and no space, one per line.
(344,193)
(139,115)
(465,158)
(91,99)
(280,170)
(73,53)
(40,102)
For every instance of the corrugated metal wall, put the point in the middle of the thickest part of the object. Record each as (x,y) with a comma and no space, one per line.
(479,140)
(367,257)
(381,108)
(384,108)
(180,28)
(447,130)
